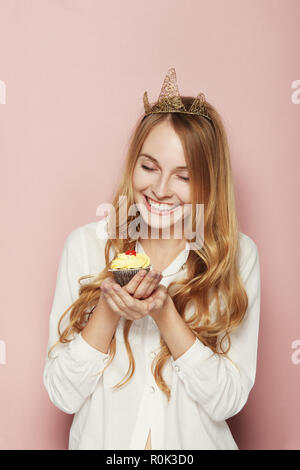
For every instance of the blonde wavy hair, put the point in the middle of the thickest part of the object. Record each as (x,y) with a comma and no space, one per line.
(212,271)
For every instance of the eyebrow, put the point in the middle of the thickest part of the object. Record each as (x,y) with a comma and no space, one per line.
(154,159)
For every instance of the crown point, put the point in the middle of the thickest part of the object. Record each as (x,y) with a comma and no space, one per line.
(147,106)
(198,105)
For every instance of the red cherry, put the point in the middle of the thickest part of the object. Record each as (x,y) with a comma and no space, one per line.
(130,252)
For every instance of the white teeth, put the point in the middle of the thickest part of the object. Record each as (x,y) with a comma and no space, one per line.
(161,207)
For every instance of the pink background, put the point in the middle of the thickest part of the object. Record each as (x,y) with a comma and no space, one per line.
(75,73)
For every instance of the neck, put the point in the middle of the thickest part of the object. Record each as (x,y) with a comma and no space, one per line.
(168,247)
(153,242)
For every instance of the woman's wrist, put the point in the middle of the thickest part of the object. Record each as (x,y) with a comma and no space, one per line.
(103,309)
(101,327)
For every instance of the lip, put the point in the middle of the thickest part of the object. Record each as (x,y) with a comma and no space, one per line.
(156,211)
(154,200)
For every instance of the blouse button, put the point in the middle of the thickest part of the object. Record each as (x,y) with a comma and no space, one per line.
(177,367)
(105,359)
(152,389)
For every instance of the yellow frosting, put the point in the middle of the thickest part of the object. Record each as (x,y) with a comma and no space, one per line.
(123,261)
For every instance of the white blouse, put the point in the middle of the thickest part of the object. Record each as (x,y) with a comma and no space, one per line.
(206,389)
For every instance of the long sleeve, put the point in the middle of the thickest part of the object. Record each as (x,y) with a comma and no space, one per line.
(73,373)
(212,380)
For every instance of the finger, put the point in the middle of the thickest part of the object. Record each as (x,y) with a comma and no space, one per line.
(107,282)
(103,283)
(154,285)
(117,299)
(114,307)
(147,286)
(127,303)
(132,285)
(155,292)
(112,303)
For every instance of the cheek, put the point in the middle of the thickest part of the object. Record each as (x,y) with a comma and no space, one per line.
(140,179)
(183,192)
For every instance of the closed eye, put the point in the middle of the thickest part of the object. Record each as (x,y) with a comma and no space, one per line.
(152,169)
(147,168)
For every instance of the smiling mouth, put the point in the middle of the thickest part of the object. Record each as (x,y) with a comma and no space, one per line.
(159,208)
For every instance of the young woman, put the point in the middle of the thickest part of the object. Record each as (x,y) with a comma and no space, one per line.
(162,362)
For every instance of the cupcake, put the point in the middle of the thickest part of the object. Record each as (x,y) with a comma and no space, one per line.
(127,264)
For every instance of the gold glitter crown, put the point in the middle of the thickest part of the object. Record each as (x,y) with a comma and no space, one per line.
(169,100)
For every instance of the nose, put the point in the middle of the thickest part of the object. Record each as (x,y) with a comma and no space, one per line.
(161,190)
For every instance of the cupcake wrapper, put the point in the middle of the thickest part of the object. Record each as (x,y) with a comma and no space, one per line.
(123,276)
